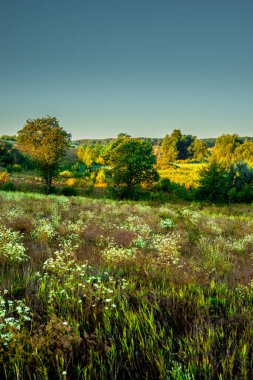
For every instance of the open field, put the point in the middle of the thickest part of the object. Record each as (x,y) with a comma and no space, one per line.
(186,174)
(99,289)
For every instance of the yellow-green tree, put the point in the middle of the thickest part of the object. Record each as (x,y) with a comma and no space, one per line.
(225,148)
(169,152)
(45,142)
(199,150)
(90,155)
(244,152)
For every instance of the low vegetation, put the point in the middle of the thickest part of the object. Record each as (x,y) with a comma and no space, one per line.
(104,289)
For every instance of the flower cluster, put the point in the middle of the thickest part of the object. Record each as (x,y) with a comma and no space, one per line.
(44,230)
(167,223)
(11,248)
(12,316)
(115,254)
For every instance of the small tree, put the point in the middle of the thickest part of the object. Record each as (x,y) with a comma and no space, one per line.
(131,162)
(45,142)
(213,183)
(199,149)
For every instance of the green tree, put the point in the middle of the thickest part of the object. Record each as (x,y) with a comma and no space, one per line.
(199,150)
(184,145)
(240,177)
(131,163)
(45,142)
(176,146)
(213,183)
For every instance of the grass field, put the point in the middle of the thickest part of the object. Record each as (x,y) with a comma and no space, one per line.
(99,289)
(186,174)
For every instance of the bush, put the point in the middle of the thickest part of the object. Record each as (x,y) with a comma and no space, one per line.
(68,191)
(246,194)
(8,186)
(14,168)
(50,190)
(165,185)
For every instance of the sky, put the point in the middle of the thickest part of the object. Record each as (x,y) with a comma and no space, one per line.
(142,67)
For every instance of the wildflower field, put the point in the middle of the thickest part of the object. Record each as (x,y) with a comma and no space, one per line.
(102,289)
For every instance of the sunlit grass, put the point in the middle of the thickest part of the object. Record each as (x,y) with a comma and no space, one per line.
(119,290)
(186,174)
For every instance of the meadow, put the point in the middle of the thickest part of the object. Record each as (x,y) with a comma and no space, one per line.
(183,173)
(104,289)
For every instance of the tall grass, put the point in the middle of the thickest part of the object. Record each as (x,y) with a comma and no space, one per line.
(116,290)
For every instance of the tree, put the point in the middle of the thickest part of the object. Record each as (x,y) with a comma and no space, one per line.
(199,150)
(213,183)
(177,146)
(131,162)
(245,152)
(45,142)
(225,148)
(90,155)
(240,177)
(168,151)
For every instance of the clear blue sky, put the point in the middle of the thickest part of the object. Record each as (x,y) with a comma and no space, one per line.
(143,67)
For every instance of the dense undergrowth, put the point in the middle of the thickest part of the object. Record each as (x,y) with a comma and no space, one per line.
(99,289)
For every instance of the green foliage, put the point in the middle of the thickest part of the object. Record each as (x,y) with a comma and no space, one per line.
(8,138)
(131,163)
(10,155)
(213,184)
(90,155)
(240,182)
(45,142)
(240,174)
(8,186)
(68,191)
(176,146)
(165,184)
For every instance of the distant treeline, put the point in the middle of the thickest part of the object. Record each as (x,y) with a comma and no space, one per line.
(108,141)
(155,141)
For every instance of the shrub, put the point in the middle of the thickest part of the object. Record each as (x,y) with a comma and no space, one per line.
(8,186)
(165,185)
(14,168)
(68,191)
